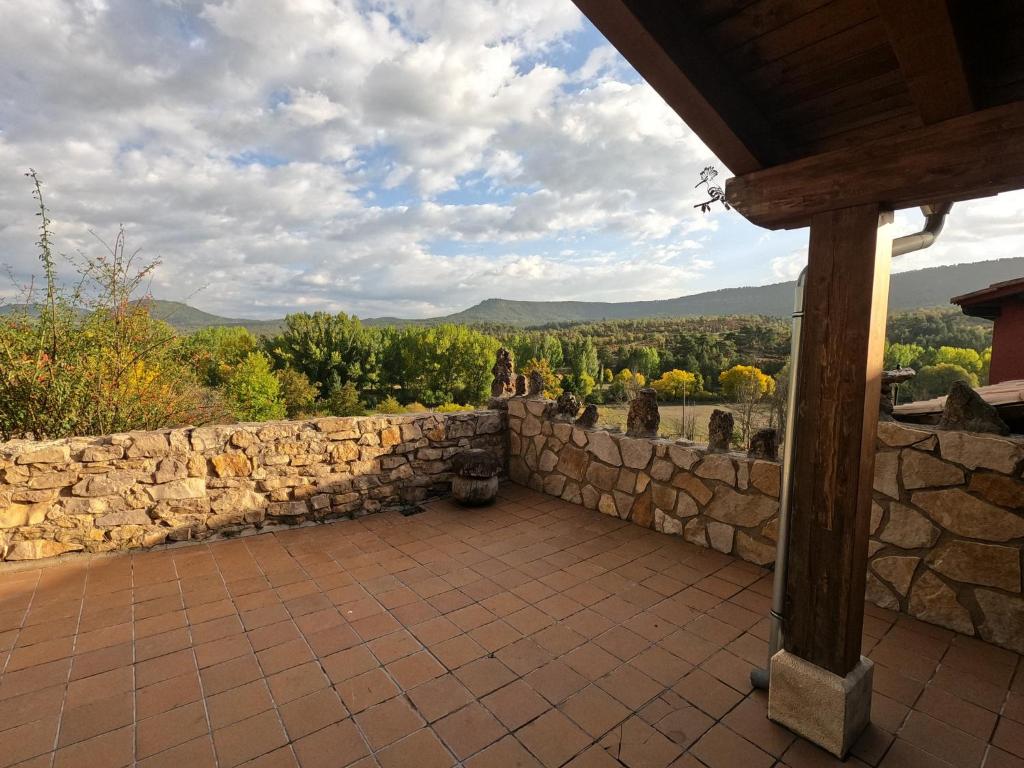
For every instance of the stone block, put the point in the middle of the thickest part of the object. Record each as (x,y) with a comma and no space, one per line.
(896,435)
(51,454)
(743,509)
(922,470)
(231,465)
(190,488)
(97,453)
(128,517)
(897,570)
(879,594)
(693,486)
(766,476)
(636,452)
(662,470)
(605,448)
(985,451)
(968,516)
(986,564)
(998,489)
(663,496)
(683,457)
(717,467)
(148,444)
(695,532)
(572,462)
(887,464)
(822,707)
(1003,619)
(934,601)
(753,551)
(720,536)
(907,528)
(40,548)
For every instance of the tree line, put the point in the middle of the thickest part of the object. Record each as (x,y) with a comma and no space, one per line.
(89,358)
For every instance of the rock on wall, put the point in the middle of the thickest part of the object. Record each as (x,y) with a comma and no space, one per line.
(140,489)
(947,522)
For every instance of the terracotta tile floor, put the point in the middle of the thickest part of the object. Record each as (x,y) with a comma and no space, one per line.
(533,633)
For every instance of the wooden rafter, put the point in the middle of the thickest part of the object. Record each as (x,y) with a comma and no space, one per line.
(671,55)
(922,36)
(977,155)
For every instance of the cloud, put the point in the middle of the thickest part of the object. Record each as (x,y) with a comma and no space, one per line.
(788,267)
(394,157)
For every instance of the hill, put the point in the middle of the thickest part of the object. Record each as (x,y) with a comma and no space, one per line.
(931,287)
(186,318)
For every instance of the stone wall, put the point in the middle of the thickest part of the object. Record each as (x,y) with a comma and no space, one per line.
(947,524)
(141,489)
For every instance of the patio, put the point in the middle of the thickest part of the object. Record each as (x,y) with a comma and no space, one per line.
(535,632)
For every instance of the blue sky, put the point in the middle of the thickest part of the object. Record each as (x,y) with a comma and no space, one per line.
(377,157)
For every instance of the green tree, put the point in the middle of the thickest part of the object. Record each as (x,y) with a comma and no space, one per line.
(645,360)
(902,355)
(343,400)
(327,348)
(253,391)
(214,352)
(582,357)
(968,359)
(935,380)
(439,364)
(297,391)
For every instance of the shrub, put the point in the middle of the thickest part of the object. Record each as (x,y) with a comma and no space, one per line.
(297,391)
(91,360)
(935,380)
(390,405)
(415,407)
(552,384)
(452,408)
(343,400)
(253,391)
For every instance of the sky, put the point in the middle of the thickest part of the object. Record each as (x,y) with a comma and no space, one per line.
(380,157)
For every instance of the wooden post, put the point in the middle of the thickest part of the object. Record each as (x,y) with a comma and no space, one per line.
(845,302)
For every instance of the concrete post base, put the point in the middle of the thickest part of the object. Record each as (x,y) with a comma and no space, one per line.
(826,709)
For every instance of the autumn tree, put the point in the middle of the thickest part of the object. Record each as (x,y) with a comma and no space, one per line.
(747,386)
(677,384)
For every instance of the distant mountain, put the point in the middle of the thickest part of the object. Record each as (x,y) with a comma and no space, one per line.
(931,287)
(187,319)
(909,290)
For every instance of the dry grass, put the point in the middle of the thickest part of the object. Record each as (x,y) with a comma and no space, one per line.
(677,421)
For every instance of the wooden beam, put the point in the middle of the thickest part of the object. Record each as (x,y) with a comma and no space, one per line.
(977,155)
(921,35)
(838,381)
(672,56)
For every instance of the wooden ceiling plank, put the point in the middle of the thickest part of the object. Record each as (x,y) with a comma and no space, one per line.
(672,56)
(976,155)
(803,32)
(922,36)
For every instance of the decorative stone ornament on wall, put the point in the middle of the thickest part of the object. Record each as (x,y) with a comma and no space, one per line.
(143,488)
(947,522)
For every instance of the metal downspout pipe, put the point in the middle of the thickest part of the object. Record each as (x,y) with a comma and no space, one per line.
(935,218)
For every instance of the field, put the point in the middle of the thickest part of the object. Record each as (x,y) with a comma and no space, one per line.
(677,421)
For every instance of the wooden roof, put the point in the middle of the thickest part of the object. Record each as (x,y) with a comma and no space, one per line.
(1002,395)
(987,301)
(773,83)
